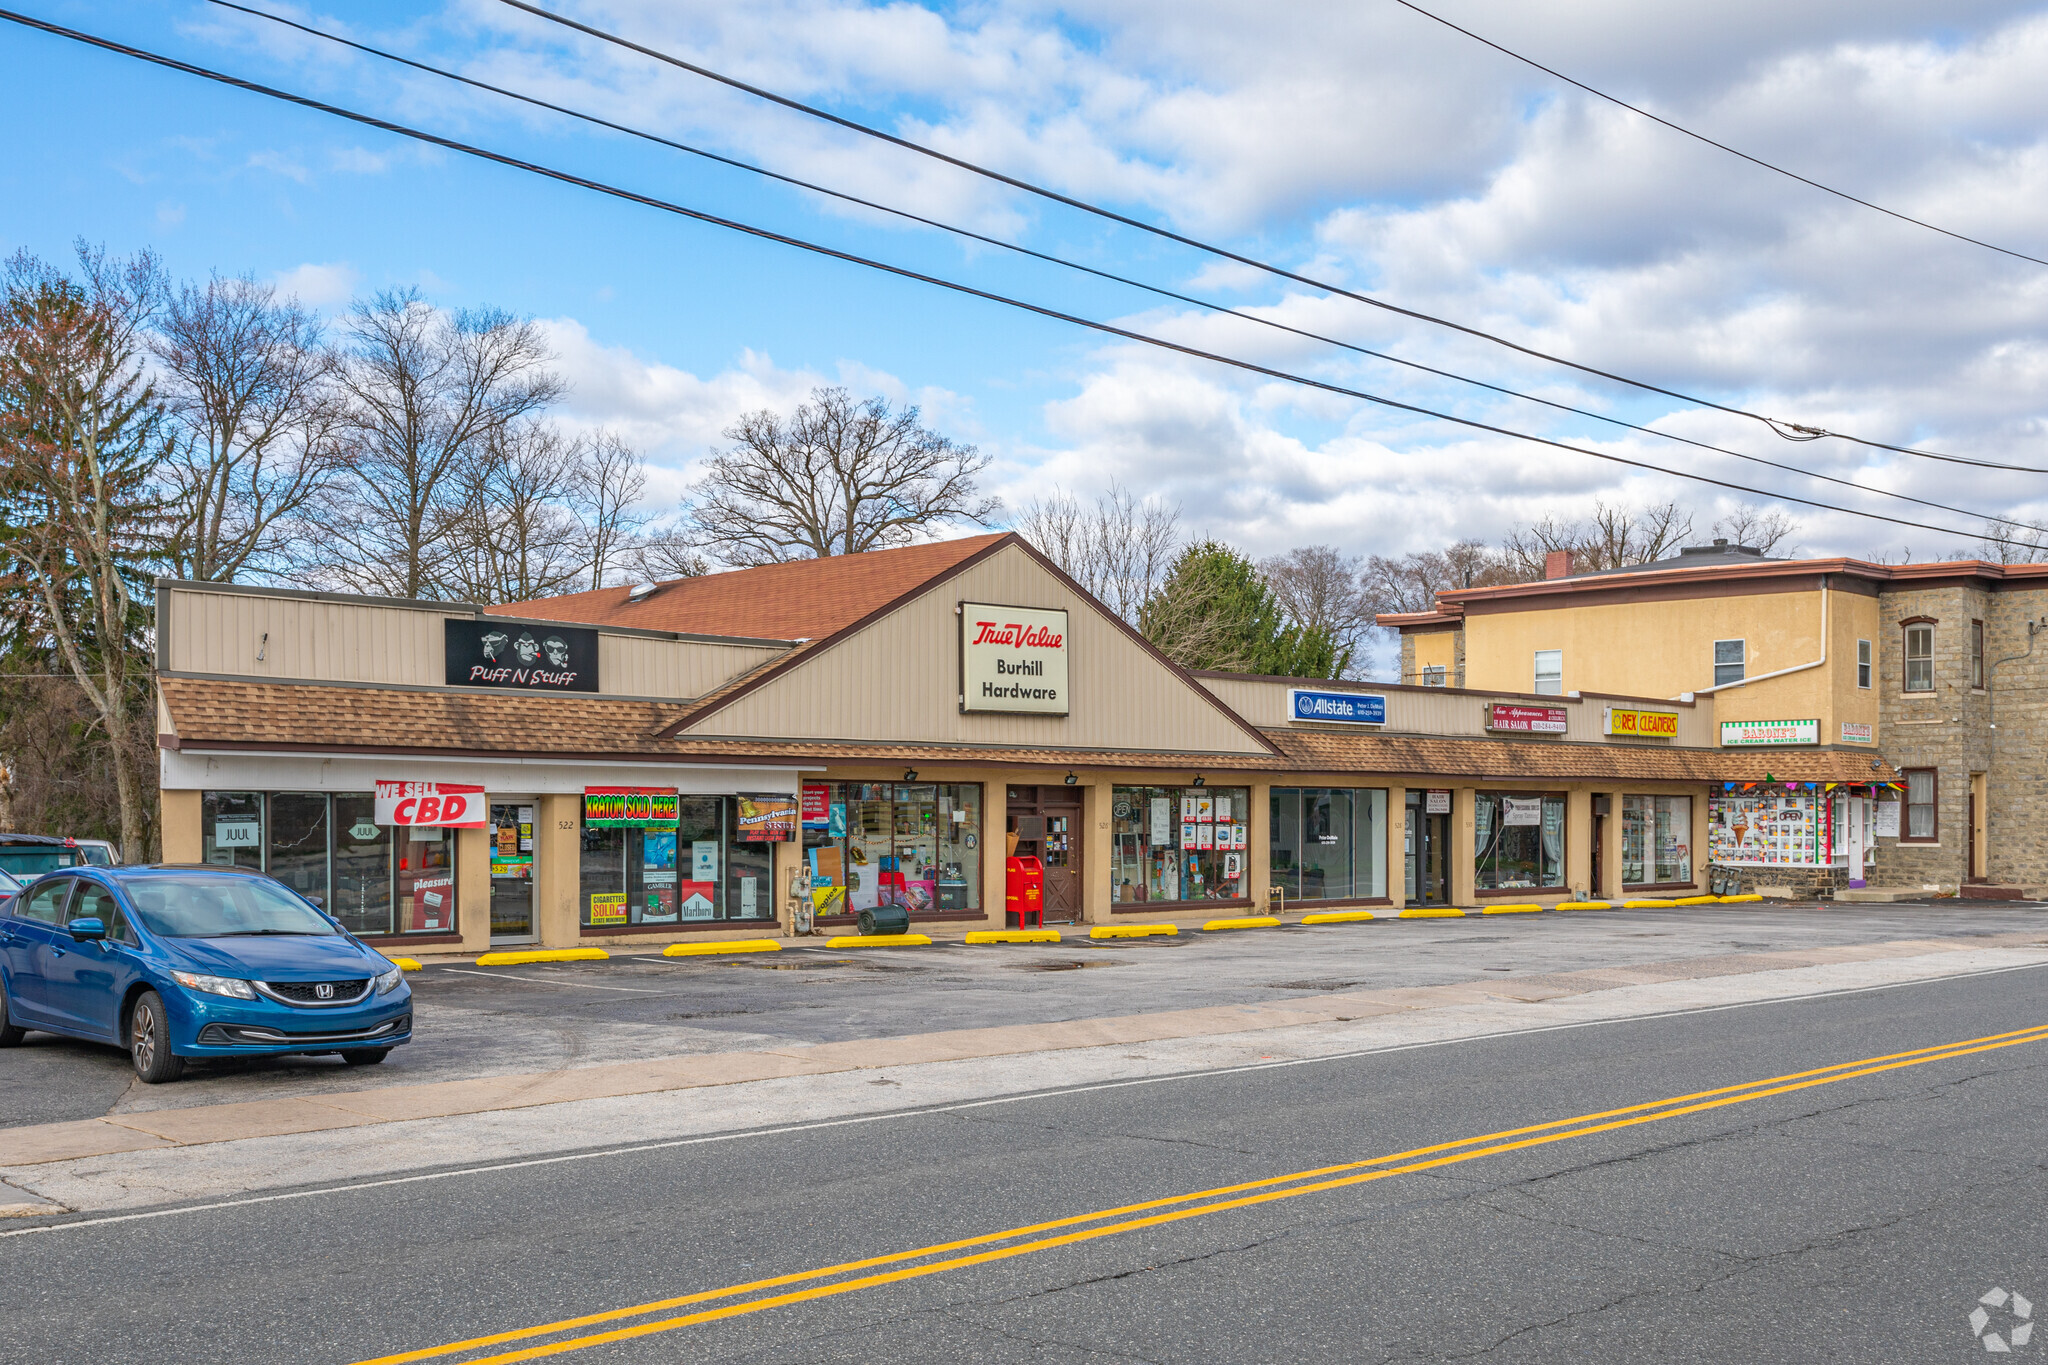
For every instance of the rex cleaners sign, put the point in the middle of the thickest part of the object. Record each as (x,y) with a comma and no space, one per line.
(1013,659)
(447,804)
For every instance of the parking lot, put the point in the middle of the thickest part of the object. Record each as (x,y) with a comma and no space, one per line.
(482,1021)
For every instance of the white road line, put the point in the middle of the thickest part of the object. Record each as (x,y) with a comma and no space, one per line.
(537,981)
(1026,1097)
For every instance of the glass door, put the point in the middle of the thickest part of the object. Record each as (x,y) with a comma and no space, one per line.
(512,854)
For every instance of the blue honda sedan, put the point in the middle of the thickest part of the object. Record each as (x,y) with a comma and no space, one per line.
(183,962)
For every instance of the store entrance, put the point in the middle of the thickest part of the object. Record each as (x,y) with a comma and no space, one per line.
(512,871)
(1047,823)
(1429,849)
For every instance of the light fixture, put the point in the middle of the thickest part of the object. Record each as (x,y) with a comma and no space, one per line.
(910,774)
(1071,779)
(1201,781)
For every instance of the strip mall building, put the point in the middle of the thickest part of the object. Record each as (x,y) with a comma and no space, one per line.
(730,755)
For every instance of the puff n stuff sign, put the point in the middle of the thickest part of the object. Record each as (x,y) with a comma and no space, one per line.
(1013,659)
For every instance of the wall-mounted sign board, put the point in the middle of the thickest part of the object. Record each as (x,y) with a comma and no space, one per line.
(1341,708)
(1013,659)
(1738,733)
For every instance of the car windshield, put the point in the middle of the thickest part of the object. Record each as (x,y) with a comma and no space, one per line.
(200,905)
(29,861)
(96,855)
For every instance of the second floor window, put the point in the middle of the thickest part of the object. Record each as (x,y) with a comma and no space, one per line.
(1977,654)
(1863,664)
(1435,675)
(1919,658)
(1730,658)
(1550,672)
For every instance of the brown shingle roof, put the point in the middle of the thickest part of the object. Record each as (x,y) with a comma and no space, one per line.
(209,713)
(806,599)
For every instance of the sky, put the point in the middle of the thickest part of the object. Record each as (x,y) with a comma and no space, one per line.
(1359,144)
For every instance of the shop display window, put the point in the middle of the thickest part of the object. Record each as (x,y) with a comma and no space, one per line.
(1326,842)
(330,849)
(1656,840)
(688,869)
(870,844)
(1179,843)
(1519,841)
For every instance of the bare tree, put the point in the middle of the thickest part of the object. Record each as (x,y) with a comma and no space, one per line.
(1615,536)
(836,477)
(2006,542)
(422,390)
(1759,528)
(610,481)
(665,553)
(81,431)
(245,375)
(1321,588)
(1120,550)
(1411,582)
(508,533)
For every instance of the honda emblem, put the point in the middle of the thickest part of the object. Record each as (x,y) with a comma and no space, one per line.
(324,990)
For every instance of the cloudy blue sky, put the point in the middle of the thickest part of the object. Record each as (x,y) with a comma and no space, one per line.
(1355,142)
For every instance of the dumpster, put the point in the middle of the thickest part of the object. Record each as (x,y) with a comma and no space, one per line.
(1024,893)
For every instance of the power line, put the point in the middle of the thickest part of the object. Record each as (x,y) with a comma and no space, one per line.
(1718,146)
(1091,270)
(1791,431)
(765,234)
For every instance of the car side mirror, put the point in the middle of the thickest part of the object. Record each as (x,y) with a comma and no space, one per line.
(86,929)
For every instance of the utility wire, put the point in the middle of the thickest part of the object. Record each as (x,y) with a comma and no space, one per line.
(765,234)
(1718,146)
(1791,431)
(1091,270)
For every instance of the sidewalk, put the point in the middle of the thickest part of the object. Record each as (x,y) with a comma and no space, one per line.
(228,1122)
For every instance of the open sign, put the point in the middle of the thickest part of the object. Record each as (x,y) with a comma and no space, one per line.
(446,804)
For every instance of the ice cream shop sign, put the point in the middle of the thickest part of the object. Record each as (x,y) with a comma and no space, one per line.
(1013,659)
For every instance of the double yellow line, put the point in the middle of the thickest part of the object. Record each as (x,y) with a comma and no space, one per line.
(758,1296)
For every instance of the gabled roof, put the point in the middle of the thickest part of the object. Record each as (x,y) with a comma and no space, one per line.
(805,599)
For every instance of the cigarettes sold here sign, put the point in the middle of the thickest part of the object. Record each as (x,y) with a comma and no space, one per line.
(450,805)
(1013,659)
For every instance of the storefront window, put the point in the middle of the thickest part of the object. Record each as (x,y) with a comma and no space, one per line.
(332,851)
(1326,842)
(1179,843)
(870,844)
(231,829)
(675,862)
(1520,841)
(1656,840)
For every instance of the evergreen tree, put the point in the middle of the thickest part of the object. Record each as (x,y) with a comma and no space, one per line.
(1216,611)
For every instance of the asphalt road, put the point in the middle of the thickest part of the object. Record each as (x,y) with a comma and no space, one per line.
(493,1021)
(1859,1218)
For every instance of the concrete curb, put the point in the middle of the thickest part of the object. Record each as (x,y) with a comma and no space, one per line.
(1248,922)
(1511,910)
(745,945)
(1340,917)
(1431,912)
(1014,936)
(543,955)
(405,964)
(879,941)
(1134,931)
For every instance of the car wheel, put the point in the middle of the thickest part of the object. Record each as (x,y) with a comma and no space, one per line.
(366,1056)
(10,1032)
(149,1042)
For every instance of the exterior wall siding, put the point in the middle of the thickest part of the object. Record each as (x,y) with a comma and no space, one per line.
(1440,711)
(899,679)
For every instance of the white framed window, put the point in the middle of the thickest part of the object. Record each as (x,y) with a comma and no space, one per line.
(1731,658)
(1550,672)
(1920,658)
(1863,664)
(1435,675)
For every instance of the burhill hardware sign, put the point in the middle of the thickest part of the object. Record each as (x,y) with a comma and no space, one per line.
(1013,659)
(489,653)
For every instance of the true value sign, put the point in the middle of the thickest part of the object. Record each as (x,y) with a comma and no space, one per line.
(1013,659)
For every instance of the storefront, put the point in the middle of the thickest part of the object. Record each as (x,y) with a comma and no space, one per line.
(623,768)
(1807,835)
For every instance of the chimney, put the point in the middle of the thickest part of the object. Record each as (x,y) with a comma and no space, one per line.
(1557,564)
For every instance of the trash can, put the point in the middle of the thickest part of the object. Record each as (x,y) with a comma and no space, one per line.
(885,919)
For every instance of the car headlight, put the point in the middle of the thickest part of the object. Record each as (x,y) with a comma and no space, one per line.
(388,982)
(215,985)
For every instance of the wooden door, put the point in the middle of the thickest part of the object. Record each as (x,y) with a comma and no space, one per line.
(1047,821)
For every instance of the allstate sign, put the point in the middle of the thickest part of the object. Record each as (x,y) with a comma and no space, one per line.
(1347,708)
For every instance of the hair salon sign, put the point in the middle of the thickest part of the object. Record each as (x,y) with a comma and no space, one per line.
(1013,659)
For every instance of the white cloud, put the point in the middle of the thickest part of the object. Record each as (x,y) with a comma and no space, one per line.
(320,286)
